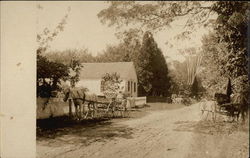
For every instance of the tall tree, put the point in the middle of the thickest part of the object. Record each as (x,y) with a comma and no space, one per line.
(126,50)
(229,87)
(152,69)
(225,49)
(230,28)
(194,88)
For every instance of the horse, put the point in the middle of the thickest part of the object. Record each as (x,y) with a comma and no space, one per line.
(222,98)
(78,98)
(209,107)
(242,108)
(235,104)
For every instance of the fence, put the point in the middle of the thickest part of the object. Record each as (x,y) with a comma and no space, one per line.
(54,107)
(137,101)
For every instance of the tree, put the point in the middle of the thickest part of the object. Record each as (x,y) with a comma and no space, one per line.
(126,50)
(152,70)
(226,47)
(75,67)
(229,33)
(156,15)
(53,71)
(65,56)
(182,84)
(111,84)
(231,29)
(50,70)
(194,88)
(229,87)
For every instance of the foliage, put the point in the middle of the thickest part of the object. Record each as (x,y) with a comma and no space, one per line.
(49,70)
(53,71)
(150,64)
(152,70)
(127,50)
(46,36)
(75,67)
(179,81)
(178,77)
(231,29)
(111,83)
(194,88)
(65,56)
(155,15)
(225,48)
(229,87)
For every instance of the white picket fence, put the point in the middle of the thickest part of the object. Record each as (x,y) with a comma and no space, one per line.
(136,101)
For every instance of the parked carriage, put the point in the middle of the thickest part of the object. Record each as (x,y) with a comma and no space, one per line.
(224,105)
(93,106)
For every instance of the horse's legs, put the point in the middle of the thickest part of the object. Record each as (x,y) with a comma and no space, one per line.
(76,111)
(207,115)
(93,110)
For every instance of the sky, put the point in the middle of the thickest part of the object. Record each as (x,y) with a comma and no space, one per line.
(84,29)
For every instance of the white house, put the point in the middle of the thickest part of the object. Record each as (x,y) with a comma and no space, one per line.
(92,73)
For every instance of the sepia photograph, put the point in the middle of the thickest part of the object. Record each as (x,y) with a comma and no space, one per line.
(126,79)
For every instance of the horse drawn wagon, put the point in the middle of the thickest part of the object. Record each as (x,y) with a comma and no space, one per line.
(89,106)
(232,107)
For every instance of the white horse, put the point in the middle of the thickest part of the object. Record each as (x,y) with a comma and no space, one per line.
(78,99)
(207,108)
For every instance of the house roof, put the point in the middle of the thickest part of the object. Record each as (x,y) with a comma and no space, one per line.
(126,70)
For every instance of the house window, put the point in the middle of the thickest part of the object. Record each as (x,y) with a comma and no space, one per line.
(135,87)
(128,86)
(131,83)
(102,86)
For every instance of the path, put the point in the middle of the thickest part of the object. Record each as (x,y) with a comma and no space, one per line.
(161,134)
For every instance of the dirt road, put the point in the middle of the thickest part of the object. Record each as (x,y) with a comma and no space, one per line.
(176,133)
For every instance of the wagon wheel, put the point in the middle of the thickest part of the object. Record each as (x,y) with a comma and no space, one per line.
(92,110)
(119,109)
(109,110)
(98,111)
(101,110)
(114,109)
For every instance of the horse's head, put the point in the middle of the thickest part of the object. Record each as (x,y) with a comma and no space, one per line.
(66,94)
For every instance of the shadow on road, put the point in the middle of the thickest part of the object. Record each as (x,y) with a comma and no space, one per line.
(62,130)
(209,127)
